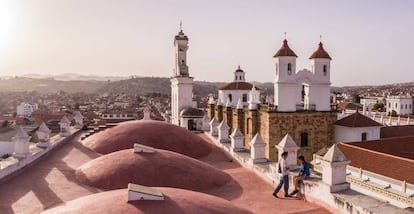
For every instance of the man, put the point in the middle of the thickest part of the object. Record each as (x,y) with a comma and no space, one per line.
(303,174)
(284,177)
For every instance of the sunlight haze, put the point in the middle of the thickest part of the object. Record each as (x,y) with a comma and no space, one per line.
(371,42)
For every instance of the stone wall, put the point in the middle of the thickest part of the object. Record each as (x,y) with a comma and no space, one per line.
(318,125)
(273,126)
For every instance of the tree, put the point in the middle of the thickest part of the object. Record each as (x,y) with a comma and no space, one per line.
(5,123)
(378,106)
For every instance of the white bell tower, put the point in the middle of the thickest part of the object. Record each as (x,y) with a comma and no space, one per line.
(181,82)
(285,84)
(321,69)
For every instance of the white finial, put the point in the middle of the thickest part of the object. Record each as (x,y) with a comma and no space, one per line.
(43,128)
(147,113)
(228,103)
(210,99)
(239,104)
(285,35)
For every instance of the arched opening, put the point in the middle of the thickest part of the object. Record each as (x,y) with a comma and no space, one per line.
(325,70)
(304,139)
(191,125)
(289,68)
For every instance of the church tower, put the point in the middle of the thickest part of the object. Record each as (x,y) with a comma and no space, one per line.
(181,82)
(285,84)
(321,66)
(239,75)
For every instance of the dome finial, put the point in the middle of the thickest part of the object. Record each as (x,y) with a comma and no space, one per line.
(181,25)
(285,35)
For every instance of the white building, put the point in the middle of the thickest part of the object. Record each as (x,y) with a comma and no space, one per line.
(238,89)
(183,112)
(303,89)
(356,128)
(26,109)
(401,105)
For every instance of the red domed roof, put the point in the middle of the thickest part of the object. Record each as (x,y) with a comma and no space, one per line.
(176,201)
(320,53)
(157,134)
(285,50)
(162,168)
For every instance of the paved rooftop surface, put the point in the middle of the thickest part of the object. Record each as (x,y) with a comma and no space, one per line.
(51,182)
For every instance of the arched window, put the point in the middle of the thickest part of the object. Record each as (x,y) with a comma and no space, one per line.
(304,139)
(289,68)
(325,70)
(230,97)
(364,136)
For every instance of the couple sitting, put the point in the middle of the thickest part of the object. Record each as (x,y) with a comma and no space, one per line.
(284,179)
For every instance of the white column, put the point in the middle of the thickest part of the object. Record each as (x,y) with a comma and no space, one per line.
(213,127)
(21,143)
(43,135)
(206,123)
(78,120)
(223,132)
(64,127)
(258,149)
(334,165)
(237,140)
(147,114)
(287,144)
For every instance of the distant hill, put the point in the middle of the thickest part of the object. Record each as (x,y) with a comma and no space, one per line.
(49,85)
(144,85)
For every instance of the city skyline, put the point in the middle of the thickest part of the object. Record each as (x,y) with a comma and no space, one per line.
(366,40)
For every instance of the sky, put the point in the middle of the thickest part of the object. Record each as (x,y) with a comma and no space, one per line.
(370,42)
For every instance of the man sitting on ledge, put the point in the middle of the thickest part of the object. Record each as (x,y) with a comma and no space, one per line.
(303,174)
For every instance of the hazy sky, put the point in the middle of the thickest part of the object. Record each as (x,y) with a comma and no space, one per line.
(371,42)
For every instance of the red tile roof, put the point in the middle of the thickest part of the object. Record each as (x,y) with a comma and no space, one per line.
(238,86)
(320,53)
(379,163)
(357,120)
(285,50)
(397,131)
(398,146)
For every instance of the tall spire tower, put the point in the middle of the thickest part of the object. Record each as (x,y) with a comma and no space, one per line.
(181,82)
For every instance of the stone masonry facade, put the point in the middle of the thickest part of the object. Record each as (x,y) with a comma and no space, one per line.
(311,130)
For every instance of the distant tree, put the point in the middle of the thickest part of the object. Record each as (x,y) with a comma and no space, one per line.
(14,114)
(378,106)
(393,113)
(357,98)
(5,123)
(77,106)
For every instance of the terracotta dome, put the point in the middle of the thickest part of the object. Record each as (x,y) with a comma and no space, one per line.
(285,50)
(152,133)
(176,201)
(162,168)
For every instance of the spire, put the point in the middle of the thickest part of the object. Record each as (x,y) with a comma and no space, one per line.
(320,53)
(285,50)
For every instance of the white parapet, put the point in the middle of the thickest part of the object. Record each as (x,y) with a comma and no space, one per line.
(139,148)
(213,127)
(287,144)
(223,132)
(258,149)
(334,165)
(237,140)
(138,193)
